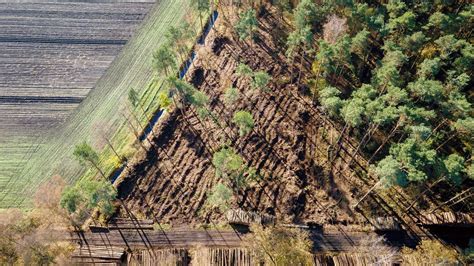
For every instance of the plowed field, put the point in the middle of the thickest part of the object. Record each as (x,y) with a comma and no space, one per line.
(76,43)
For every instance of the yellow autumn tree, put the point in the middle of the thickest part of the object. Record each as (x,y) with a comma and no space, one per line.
(431,252)
(279,246)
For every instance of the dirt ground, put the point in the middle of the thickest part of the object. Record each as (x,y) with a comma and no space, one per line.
(289,145)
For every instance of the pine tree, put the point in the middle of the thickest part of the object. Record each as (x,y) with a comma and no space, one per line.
(220,197)
(231,95)
(201,6)
(164,61)
(330,100)
(244,122)
(454,165)
(84,153)
(229,166)
(247,25)
(260,80)
(80,199)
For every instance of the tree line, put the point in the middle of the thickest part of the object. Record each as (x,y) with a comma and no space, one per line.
(397,76)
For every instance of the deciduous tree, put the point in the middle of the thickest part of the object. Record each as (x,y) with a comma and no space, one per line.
(102,137)
(430,252)
(334,28)
(279,246)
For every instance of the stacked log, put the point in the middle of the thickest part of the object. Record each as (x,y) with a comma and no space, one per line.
(222,256)
(386,224)
(238,216)
(447,218)
(125,223)
(345,259)
(103,255)
(165,257)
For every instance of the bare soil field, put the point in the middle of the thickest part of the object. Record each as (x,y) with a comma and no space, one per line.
(51,57)
(288,145)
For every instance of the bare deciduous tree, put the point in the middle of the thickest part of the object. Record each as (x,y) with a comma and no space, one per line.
(102,131)
(374,246)
(334,28)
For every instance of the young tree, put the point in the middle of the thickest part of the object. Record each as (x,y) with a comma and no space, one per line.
(231,95)
(229,165)
(220,197)
(80,199)
(133,97)
(244,122)
(198,99)
(247,25)
(163,100)
(86,154)
(164,62)
(261,80)
(201,6)
(244,70)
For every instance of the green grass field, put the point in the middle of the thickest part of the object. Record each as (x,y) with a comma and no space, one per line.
(131,69)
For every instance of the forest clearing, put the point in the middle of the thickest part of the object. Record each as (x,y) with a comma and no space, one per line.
(280,133)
